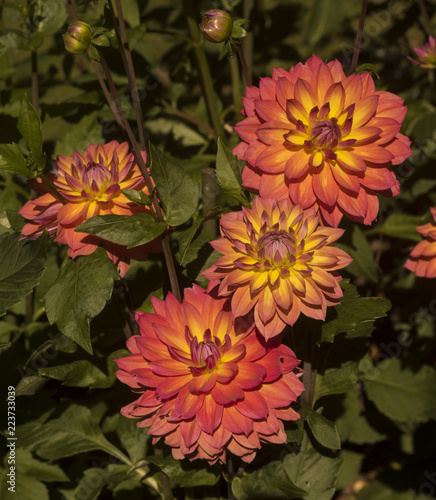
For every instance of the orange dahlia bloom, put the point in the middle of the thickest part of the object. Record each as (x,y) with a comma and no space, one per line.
(205,385)
(422,259)
(277,261)
(91,184)
(322,139)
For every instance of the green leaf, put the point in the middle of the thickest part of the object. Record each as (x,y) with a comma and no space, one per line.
(27,488)
(83,373)
(362,68)
(131,12)
(313,470)
(78,135)
(185,474)
(178,193)
(185,255)
(363,258)
(355,315)
(422,186)
(228,172)
(353,424)
(96,478)
(29,126)
(29,385)
(271,481)
(324,431)
(402,226)
(134,439)
(73,432)
(13,160)
(138,197)
(21,266)
(128,230)
(350,469)
(80,292)
(326,15)
(27,465)
(336,380)
(400,393)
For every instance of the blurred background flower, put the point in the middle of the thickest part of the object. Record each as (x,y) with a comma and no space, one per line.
(422,260)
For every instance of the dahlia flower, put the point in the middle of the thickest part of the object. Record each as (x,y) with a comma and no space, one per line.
(279,263)
(322,139)
(90,184)
(422,259)
(206,385)
(426,54)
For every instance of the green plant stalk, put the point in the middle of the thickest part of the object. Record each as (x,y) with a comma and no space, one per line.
(359,36)
(236,87)
(244,66)
(203,66)
(309,367)
(153,194)
(52,188)
(35,83)
(120,30)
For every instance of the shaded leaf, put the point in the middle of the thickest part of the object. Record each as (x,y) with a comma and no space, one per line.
(29,126)
(21,266)
(178,193)
(402,226)
(401,394)
(271,481)
(336,380)
(312,470)
(355,315)
(12,160)
(363,258)
(186,475)
(228,172)
(128,230)
(324,431)
(80,292)
(138,197)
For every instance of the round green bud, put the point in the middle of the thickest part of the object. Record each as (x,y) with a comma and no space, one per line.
(216,26)
(78,37)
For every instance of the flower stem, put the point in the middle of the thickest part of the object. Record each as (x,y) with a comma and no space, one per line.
(249,6)
(120,30)
(309,367)
(203,66)
(236,86)
(359,36)
(151,189)
(35,83)
(244,66)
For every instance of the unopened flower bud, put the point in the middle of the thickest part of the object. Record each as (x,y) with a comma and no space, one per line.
(216,26)
(78,37)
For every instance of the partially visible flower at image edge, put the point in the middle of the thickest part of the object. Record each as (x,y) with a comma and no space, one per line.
(206,385)
(422,260)
(91,184)
(278,262)
(426,55)
(322,139)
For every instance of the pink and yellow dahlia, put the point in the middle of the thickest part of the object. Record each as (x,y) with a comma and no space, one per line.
(205,385)
(426,54)
(90,184)
(322,139)
(278,262)
(422,259)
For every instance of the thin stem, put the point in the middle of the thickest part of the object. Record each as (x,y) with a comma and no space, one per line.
(208,186)
(203,66)
(230,476)
(309,367)
(249,6)
(359,36)
(127,329)
(133,324)
(165,241)
(35,83)
(236,87)
(120,30)
(244,66)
